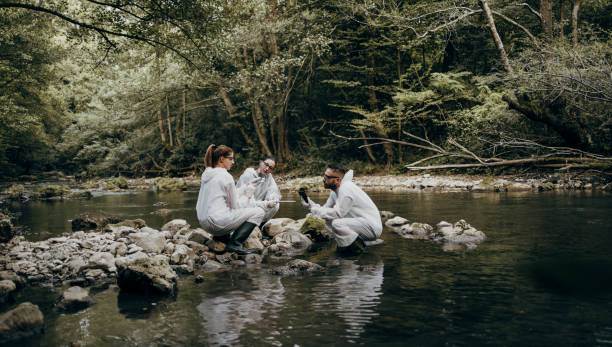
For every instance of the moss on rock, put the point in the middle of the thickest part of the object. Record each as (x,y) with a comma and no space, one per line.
(166,183)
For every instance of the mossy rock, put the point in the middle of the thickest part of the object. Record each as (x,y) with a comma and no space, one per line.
(166,183)
(315,228)
(15,191)
(90,185)
(116,183)
(132,223)
(53,191)
(93,221)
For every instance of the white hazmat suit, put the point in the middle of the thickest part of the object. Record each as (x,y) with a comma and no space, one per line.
(349,213)
(266,190)
(218,208)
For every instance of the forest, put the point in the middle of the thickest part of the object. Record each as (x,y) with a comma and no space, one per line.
(98,88)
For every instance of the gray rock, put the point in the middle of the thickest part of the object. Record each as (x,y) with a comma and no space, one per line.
(396,222)
(224,258)
(297,240)
(459,233)
(147,276)
(200,236)
(296,267)
(92,221)
(275,226)
(102,260)
(151,240)
(24,321)
(175,225)
(182,255)
(197,248)
(11,276)
(253,243)
(74,299)
(385,215)
(414,231)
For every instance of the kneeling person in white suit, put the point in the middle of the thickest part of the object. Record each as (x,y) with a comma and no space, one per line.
(351,217)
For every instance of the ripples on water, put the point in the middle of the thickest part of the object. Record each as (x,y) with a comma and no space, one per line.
(542,277)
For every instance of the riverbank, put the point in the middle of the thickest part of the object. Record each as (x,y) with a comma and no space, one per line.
(69,188)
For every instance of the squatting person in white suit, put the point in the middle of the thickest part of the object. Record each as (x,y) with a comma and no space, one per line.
(351,217)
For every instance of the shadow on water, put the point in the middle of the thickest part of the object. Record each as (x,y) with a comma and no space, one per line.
(571,275)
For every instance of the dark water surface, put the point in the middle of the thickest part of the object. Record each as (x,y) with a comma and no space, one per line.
(543,277)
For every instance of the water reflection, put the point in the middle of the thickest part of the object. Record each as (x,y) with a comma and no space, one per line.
(353,292)
(230,311)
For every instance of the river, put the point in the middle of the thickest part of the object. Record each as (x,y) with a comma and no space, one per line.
(543,277)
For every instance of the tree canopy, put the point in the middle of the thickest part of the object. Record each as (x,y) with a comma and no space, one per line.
(138,87)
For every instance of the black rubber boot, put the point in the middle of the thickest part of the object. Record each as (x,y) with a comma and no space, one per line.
(355,248)
(238,237)
(264,235)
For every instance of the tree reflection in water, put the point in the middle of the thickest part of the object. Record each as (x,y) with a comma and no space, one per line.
(226,315)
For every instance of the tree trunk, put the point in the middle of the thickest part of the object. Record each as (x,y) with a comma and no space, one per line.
(160,121)
(184,112)
(169,123)
(260,127)
(178,121)
(547,19)
(367,148)
(498,42)
(562,21)
(373,101)
(575,10)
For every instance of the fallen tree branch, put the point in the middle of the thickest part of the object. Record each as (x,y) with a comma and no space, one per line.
(557,157)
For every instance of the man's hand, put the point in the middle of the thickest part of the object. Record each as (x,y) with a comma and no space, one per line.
(306,204)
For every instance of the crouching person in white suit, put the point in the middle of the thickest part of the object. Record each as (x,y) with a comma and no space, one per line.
(218,207)
(264,188)
(351,217)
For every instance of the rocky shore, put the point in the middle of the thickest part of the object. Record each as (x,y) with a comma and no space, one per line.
(71,189)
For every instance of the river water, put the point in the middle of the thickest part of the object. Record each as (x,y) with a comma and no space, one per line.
(543,277)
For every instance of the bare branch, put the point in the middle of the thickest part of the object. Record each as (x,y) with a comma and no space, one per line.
(530,9)
(509,20)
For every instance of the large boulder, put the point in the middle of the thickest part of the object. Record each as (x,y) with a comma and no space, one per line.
(147,276)
(92,221)
(23,321)
(74,299)
(150,240)
(315,228)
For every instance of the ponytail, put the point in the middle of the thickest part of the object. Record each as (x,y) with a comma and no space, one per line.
(214,153)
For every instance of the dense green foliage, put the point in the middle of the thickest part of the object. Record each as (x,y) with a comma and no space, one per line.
(143,87)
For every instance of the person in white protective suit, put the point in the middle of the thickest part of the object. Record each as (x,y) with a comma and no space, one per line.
(265,188)
(218,208)
(351,217)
